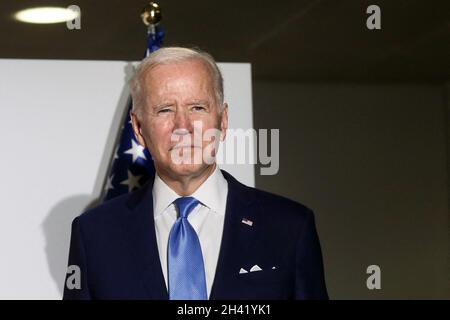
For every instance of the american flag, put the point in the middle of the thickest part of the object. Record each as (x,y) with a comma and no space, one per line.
(131,165)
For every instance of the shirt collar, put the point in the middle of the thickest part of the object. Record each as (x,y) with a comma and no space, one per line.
(212,193)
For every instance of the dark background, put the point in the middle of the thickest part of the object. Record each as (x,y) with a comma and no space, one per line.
(363,115)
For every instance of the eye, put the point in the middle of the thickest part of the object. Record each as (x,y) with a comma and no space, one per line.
(164,110)
(198,108)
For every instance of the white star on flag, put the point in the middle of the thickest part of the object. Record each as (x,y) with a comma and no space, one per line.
(136,151)
(109,183)
(116,156)
(132,181)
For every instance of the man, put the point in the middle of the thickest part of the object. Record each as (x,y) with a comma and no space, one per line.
(193,232)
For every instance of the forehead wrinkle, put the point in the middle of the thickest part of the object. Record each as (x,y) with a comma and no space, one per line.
(170,86)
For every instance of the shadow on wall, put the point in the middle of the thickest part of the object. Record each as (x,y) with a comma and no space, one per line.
(57,224)
(56,228)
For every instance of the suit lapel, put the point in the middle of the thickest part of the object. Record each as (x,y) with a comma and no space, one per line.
(141,227)
(237,237)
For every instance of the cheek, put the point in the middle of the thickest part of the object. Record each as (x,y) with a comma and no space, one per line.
(209,122)
(210,131)
(159,135)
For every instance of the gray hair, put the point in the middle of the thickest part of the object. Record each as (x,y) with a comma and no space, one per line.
(171,55)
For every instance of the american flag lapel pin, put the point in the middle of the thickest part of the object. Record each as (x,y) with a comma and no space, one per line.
(247,221)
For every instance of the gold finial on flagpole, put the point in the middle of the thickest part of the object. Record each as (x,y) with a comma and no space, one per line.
(151,14)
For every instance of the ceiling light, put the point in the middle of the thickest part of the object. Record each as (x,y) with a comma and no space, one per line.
(46,15)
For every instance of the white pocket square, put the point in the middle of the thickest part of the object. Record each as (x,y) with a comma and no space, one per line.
(255,268)
(242,271)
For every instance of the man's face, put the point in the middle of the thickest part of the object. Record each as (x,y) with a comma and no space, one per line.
(180,105)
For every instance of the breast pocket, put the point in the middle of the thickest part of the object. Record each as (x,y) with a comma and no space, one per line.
(269,276)
(265,284)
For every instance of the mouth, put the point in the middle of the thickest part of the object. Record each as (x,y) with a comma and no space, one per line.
(184,147)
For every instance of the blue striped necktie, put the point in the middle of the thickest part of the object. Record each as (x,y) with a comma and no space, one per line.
(185,261)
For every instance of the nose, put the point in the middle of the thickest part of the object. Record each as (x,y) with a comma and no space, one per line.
(182,122)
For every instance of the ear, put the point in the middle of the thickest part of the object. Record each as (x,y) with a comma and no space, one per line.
(137,128)
(224,122)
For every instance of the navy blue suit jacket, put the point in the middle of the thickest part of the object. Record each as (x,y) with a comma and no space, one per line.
(115,247)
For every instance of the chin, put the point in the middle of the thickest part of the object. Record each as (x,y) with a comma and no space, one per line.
(188,169)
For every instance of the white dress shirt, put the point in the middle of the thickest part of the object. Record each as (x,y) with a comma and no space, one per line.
(207,219)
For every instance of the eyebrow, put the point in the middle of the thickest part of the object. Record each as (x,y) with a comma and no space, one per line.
(190,103)
(204,102)
(162,105)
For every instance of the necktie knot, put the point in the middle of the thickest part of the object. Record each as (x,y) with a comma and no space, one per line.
(185,205)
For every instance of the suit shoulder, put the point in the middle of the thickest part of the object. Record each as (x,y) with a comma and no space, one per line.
(265,197)
(111,210)
(270,204)
(273,203)
(104,211)
(280,215)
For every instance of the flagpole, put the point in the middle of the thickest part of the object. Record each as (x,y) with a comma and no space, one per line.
(151,16)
